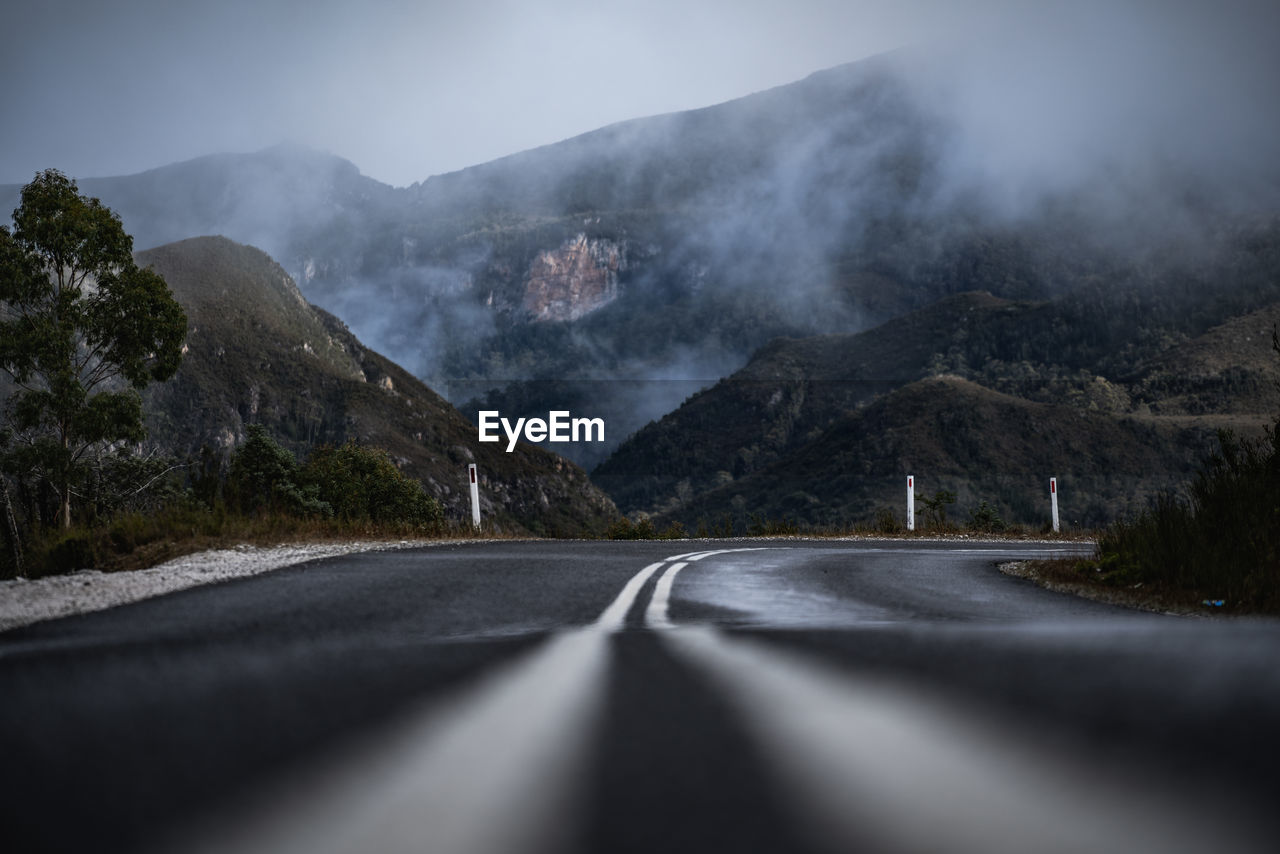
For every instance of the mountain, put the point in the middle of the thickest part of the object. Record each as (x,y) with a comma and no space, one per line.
(1127,398)
(258,352)
(982,445)
(789,392)
(273,196)
(618,272)
(1230,369)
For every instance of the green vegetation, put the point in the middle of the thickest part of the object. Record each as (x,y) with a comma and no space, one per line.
(956,437)
(1102,386)
(264,477)
(351,483)
(82,330)
(935,508)
(623,529)
(362,484)
(280,424)
(259,354)
(1222,542)
(983,520)
(887,521)
(136,540)
(264,495)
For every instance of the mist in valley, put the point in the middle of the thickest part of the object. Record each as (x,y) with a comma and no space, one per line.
(1032,149)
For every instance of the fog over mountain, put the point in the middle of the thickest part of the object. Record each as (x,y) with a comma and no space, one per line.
(1062,146)
(405,88)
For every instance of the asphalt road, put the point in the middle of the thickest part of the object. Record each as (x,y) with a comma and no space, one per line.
(613,697)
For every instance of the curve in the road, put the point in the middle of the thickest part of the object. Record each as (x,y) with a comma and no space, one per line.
(503,766)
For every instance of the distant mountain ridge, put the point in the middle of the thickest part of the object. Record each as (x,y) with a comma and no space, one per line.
(604,271)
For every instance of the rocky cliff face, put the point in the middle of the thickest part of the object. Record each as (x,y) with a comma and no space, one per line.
(575,279)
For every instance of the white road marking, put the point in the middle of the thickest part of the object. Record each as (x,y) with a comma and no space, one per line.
(500,768)
(656,615)
(689,556)
(615,616)
(701,555)
(497,768)
(868,763)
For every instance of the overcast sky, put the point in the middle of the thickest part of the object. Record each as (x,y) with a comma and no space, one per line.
(409,89)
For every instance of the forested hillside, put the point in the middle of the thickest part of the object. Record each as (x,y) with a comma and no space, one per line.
(1148,369)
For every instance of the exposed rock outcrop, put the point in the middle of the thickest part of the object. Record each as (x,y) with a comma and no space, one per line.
(576,279)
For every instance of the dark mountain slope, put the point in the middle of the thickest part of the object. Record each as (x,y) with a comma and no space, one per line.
(259,353)
(790,391)
(1232,369)
(1114,352)
(983,445)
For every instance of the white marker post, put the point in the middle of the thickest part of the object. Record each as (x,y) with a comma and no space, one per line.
(911,503)
(475,496)
(1053,501)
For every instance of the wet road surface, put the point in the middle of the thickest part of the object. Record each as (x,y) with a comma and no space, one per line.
(597,696)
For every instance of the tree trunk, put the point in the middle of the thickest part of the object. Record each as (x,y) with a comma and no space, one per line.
(10,527)
(66,482)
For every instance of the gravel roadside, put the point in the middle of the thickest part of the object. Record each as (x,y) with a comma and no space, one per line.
(25,601)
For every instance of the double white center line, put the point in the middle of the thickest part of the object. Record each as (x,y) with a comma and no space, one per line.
(497,768)
(503,766)
(656,616)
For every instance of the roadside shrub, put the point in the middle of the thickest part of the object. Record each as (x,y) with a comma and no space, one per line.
(984,518)
(351,483)
(620,529)
(264,477)
(935,508)
(887,521)
(125,482)
(340,492)
(623,529)
(724,528)
(1223,540)
(674,531)
(358,483)
(69,551)
(759,526)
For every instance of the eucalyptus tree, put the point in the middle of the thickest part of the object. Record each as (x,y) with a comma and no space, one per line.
(82,330)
